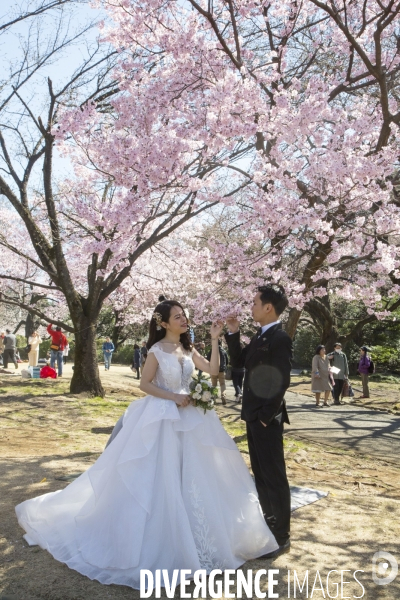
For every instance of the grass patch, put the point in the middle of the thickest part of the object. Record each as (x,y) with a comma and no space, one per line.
(234,428)
(243,447)
(384,378)
(292,445)
(35,388)
(237,429)
(31,392)
(105,409)
(101,402)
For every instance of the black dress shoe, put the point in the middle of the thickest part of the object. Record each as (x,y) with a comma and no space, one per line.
(281,550)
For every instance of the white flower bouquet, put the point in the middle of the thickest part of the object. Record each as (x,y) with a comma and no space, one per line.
(203,394)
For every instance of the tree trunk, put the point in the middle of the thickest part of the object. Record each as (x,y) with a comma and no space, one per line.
(320,311)
(330,338)
(86,377)
(292,322)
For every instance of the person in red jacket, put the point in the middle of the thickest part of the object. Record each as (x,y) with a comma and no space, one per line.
(58,343)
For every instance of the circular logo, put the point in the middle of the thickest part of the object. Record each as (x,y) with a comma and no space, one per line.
(384,568)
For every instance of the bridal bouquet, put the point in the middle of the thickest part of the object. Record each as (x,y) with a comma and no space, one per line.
(203,393)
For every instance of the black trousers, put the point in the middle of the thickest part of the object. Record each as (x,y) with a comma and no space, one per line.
(337,389)
(237,380)
(269,469)
(9,355)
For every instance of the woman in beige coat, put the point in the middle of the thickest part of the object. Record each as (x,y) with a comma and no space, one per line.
(320,382)
(33,355)
(2,334)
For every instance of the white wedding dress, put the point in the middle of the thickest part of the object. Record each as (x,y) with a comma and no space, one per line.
(170,492)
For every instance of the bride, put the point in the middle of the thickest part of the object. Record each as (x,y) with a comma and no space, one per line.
(171,491)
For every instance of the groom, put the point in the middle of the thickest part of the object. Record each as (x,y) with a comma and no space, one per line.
(267,360)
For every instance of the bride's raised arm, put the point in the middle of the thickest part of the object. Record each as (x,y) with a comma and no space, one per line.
(211,366)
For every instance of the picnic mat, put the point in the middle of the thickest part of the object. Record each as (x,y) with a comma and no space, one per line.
(301,496)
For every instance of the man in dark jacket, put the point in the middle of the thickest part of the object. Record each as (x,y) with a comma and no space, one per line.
(267,360)
(143,354)
(10,347)
(223,363)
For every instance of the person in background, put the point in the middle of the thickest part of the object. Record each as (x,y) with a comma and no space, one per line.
(223,362)
(191,334)
(34,341)
(108,349)
(65,354)
(338,359)
(238,372)
(237,381)
(190,329)
(58,343)
(10,346)
(363,369)
(320,382)
(1,347)
(136,360)
(143,354)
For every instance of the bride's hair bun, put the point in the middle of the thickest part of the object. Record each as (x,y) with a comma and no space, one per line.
(161,298)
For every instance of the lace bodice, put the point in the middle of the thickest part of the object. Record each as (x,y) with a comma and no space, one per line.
(173,373)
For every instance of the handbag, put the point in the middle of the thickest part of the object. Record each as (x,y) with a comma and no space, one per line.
(345,389)
(350,392)
(228,373)
(55,347)
(28,348)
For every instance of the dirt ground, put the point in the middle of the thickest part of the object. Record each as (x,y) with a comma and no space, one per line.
(47,434)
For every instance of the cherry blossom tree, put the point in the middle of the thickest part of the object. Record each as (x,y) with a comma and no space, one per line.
(299,104)
(32,263)
(82,235)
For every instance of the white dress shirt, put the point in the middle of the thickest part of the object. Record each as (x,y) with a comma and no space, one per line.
(266,327)
(263,329)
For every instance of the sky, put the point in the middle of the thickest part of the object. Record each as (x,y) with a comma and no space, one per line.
(36,92)
(10,42)
(64,64)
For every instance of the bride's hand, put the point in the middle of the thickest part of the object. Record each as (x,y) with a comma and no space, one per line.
(216,329)
(182,399)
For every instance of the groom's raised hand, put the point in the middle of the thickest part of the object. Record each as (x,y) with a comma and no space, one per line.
(232,324)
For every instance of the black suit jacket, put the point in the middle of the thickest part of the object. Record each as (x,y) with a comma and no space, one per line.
(267,360)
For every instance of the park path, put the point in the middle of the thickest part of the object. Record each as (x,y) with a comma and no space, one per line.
(370,432)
